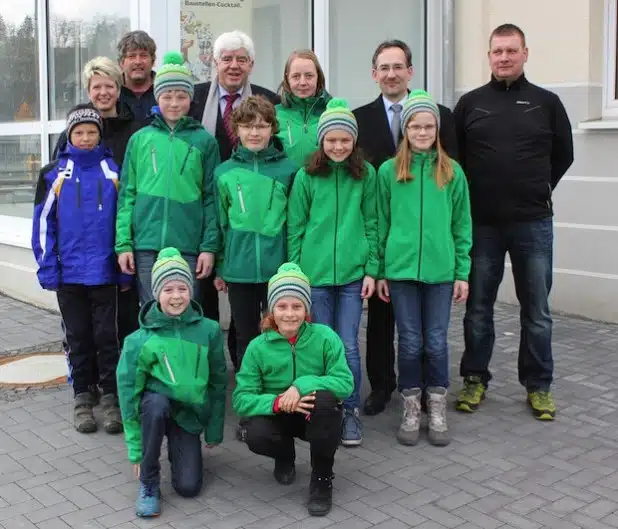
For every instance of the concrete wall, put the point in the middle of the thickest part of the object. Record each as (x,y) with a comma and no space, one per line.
(566,55)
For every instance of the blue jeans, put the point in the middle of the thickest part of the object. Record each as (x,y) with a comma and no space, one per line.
(341,308)
(144,261)
(184,449)
(422,313)
(530,248)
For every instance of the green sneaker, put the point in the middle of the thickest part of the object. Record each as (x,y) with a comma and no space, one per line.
(471,395)
(542,404)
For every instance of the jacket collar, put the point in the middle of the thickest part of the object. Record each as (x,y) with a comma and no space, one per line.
(185,122)
(501,86)
(152,317)
(274,151)
(85,158)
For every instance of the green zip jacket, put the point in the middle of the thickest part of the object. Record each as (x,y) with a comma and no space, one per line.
(252,196)
(425,233)
(166,189)
(298,125)
(333,226)
(181,358)
(271,365)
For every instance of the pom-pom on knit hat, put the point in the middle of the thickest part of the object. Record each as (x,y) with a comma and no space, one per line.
(173,75)
(170,266)
(337,116)
(289,281)
(84,113)
(418,101)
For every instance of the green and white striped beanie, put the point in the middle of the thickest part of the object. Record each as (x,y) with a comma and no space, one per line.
(337,116)
(170,266)
(289,281)
(173,75)
(418,101)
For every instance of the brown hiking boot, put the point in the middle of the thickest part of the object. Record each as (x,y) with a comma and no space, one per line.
(112,420)
(83,416)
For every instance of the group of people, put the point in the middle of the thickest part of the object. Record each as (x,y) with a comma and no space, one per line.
(163,193)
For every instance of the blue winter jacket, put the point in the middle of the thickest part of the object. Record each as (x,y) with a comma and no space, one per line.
(74,223)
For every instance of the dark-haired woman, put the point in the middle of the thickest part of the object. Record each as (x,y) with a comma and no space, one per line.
(332,235)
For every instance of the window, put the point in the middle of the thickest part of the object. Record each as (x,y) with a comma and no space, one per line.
(19,62)
(20,161)
(611,62)
(276,26)
(78,32)
(351,49)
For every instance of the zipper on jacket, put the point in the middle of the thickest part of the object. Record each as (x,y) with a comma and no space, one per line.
(78,191)
(289,133)
(420,239)
(100,194)
(184,162)
(169,368)
(166,199)
(153,157)
(241,198)
(549,196)
(336,225)
(272,193)
(294,360)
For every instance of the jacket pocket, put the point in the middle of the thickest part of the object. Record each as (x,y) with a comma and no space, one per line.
(241,198)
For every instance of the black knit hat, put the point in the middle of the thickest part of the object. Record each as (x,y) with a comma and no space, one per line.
(83,114)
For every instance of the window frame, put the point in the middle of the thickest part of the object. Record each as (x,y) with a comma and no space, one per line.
(610,76)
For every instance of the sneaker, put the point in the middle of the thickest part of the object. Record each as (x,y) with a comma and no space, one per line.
(542,404)
(352,429)
(471,395)
(320,496)
(148,504)
(241,431)
(83,416)
(436,414)
(285,471)
(411,421)
(112,420)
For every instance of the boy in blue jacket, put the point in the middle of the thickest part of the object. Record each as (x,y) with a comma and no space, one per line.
(73,231)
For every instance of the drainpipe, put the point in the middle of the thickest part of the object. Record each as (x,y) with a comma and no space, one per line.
(448,60)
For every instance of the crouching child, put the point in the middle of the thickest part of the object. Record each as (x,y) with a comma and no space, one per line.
(172,379)
(291,383)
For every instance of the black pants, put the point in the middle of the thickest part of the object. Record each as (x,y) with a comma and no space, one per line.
(380,346)
(273,435)
(89,314)
(128,312)
(248,303)
(209,300)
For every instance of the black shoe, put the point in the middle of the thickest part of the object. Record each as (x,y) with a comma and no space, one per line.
(241,433)
(285,471)
(376,402)
(320,496)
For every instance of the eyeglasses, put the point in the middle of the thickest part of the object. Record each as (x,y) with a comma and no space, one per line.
(259,127)
(414,127)
(240,59)
(397,68)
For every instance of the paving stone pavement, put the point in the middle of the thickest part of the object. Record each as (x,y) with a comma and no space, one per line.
(502,470)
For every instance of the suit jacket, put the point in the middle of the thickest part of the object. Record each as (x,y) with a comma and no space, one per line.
(375,138)
(197,111)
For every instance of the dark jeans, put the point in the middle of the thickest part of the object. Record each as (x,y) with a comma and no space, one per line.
(423,313)
(128,312)
(273,435)
(380,346)
(209,300)
(248,301)
(89,316)
(530,248)
(144,261)
(341,308)
(184,449)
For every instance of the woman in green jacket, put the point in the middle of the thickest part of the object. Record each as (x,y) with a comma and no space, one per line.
(425,237)
(303,99)
(291,383)
(332,235)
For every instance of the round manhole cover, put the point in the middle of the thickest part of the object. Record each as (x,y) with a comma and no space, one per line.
(33,369)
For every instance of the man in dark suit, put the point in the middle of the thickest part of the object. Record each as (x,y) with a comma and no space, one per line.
(379,127)
(213,102)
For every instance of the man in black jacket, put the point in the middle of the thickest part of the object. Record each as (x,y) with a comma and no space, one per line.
(213,103)
(515,144)
(379,133)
